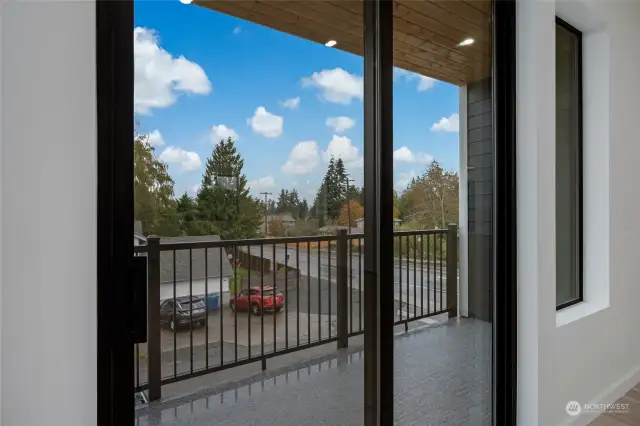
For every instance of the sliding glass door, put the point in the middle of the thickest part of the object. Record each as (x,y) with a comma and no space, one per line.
(322,202)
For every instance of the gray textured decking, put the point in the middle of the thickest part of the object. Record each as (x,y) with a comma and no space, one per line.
(442,377)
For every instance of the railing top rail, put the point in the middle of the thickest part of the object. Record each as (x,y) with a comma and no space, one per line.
(140,249)
(244,243)
(276,241)
(419,232)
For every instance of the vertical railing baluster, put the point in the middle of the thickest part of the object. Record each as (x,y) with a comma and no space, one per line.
(330,285)
(350,272)
(441,286)
(286,295)
(137,365)
(274,268)
(360,279)
(429,276)
(422,276)
(191,311)
(319,296)
(406,324)
(399,274)
(206,306)
(250,310)
(415,277)
(298,293)
(235,302)
(452,270)
(175,322)
(309,292)
(221,306)
(154,334)
(341,289)
(264,361)
(435,271)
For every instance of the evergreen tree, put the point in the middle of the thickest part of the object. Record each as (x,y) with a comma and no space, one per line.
(187,211)
(332,193)
(154,205)
(304,209)
(224,204)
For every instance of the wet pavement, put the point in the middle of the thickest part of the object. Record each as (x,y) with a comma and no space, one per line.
(443,377)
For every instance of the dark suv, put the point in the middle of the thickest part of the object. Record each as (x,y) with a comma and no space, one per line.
(184,309)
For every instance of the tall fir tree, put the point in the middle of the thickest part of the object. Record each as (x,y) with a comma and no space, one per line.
(225,206)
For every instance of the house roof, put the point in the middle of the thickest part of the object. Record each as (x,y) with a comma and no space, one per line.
(395,219)
(214,268)
(137,227)
(285,217)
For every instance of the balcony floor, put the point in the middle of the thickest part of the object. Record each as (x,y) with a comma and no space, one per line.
(443,377)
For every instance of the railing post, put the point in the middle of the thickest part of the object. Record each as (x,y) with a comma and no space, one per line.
(154,353)
(452,270)
(342,290)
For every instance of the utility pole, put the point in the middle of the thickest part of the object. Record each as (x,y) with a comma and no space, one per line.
(266,208)
(348,203)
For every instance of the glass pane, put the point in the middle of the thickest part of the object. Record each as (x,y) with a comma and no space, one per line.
(443,156)
(568,163)
(248,199)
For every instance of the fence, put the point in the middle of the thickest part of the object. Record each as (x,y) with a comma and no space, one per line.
(320,278)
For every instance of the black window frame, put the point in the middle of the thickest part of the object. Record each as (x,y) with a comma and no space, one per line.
(579,168)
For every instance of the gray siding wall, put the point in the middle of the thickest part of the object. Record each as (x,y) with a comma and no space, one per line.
(480,197)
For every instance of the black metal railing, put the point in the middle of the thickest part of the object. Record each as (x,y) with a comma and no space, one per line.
(213,305)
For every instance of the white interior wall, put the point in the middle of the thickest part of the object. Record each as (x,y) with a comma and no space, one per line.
(48,213)
(589,352)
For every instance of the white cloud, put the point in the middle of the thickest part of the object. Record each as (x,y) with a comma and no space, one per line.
(193,189)
(404,179)
(450,124)
(405,155)
(155,139)
(303,158)
(222,132)
(160,77)
(261,183)
(291,103)
(336,85)
(424,83)
(341,147)
(189,161)
(340,124)
(267,124)
(237,30)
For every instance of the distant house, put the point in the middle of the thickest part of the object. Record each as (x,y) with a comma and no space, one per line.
(333,230)
(286,218)
(200,276)
(138,237)
(360,223)
(197,276)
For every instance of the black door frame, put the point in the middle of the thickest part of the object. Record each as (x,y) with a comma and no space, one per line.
(114,60)
(115,79)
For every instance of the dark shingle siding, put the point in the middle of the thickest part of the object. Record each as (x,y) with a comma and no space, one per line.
(480,197)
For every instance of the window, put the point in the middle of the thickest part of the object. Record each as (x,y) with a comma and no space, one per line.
(568,165)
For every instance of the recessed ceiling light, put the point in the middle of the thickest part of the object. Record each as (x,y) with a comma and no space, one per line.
(186,1)
(331,43)
(466,42)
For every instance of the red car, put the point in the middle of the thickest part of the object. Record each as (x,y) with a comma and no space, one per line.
(270,300)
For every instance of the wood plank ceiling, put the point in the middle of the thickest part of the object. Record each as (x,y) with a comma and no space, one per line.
(426,37)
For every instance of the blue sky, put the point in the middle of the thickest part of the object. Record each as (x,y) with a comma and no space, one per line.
(291,103)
